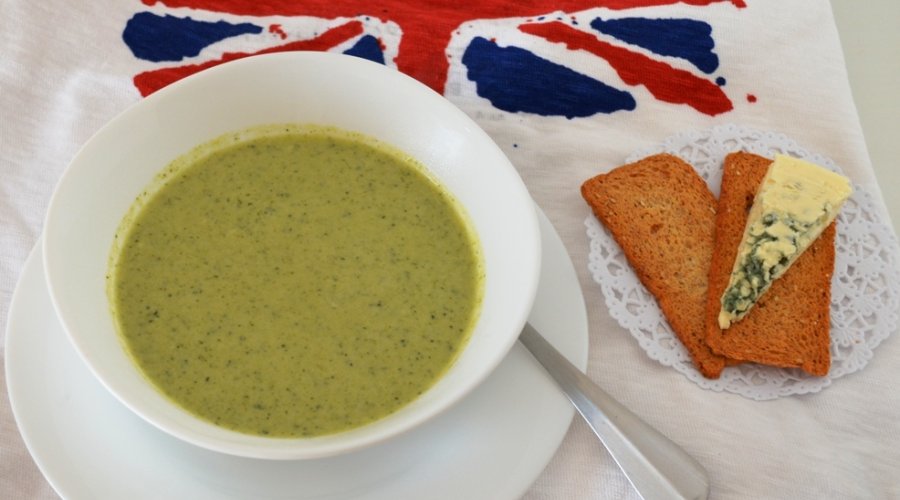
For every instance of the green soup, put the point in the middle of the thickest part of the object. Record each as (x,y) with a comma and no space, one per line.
(294,281)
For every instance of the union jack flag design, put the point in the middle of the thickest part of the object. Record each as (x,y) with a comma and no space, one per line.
(508,51)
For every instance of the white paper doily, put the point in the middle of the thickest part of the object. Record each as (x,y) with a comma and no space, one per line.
(865,290)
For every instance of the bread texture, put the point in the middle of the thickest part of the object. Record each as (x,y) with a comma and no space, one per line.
(662,215)
(790,324)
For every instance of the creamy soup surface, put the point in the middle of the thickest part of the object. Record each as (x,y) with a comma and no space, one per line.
(295,281)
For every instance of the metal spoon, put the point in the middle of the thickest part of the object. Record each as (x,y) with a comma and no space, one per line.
(655,466)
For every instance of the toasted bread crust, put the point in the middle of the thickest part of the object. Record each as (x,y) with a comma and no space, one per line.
(790,324)
(662,214)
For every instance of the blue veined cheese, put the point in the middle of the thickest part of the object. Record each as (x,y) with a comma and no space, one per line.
(795,202)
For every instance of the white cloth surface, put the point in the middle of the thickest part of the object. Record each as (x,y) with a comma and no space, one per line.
(65,71)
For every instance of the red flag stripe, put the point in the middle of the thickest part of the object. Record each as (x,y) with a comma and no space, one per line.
(666,83)
(151,81)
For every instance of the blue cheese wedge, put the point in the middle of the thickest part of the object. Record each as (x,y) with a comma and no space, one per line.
(796,201)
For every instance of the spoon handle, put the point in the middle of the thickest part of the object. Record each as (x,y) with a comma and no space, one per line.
(655,466)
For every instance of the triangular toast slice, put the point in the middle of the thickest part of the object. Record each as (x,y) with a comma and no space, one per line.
(662,214)
(789,325)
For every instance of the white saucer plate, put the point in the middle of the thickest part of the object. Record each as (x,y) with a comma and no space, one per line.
(492,445)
